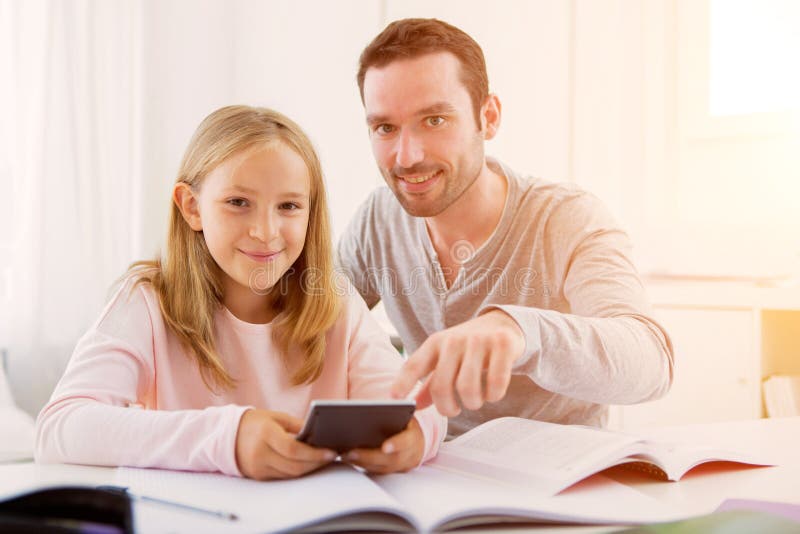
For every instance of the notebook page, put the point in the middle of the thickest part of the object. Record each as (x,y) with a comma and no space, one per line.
(261,506)
(438,497)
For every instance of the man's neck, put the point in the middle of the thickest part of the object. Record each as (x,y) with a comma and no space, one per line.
(474,216)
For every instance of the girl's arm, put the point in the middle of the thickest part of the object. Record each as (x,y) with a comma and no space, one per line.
(95,417)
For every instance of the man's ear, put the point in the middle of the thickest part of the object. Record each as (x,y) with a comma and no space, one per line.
(186,201)
(490,116)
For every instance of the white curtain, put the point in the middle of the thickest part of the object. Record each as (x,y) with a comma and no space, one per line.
(70,89)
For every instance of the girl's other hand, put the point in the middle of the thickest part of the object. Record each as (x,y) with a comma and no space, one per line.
(266,447)
(401,452)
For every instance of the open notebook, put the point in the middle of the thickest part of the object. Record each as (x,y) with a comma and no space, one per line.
(342,498)
(507,469)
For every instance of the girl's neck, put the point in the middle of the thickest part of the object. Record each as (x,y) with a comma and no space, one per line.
(248,306)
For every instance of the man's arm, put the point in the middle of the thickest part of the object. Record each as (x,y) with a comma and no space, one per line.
(607,350)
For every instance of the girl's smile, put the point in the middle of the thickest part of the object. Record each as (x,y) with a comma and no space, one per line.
(253,210)
(261,257)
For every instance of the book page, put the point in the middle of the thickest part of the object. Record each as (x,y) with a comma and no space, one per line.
(676,459)
(336,490)
(541,456)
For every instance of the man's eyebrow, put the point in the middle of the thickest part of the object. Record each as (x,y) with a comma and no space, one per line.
(439,107)
(376,119)
(433,109)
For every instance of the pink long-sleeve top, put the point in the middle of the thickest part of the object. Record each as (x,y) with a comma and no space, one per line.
(131,394)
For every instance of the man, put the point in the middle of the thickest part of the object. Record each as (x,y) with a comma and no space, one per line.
(512,295)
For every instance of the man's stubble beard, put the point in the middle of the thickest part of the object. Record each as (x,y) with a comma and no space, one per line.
(449,196)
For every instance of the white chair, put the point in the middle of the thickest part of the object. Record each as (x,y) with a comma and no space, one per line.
(16,426)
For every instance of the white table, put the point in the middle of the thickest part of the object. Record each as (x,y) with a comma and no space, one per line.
(699,492)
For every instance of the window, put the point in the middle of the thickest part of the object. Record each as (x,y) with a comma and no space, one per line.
(754,48)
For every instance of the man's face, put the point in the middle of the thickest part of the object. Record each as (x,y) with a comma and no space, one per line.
(423,132)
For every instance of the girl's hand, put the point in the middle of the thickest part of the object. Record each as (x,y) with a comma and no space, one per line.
(266,447)
(401,452)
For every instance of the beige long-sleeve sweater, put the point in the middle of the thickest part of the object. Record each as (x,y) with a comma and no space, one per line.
(559,264)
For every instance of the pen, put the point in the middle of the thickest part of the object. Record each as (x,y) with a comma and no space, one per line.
(144,498)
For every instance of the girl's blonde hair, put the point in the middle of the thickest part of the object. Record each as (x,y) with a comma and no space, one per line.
(187,280)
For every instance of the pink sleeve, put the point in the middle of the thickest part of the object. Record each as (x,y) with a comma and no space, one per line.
(93,418)
(373,366)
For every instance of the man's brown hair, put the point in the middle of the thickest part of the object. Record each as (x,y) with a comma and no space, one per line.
(411,38)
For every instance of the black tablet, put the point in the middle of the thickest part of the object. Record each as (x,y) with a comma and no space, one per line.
(341,425)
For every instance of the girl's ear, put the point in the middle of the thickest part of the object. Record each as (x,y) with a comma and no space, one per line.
(185,199)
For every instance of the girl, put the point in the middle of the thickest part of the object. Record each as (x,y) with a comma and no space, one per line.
(207,360)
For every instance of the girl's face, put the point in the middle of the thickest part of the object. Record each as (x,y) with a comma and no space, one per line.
(253,210)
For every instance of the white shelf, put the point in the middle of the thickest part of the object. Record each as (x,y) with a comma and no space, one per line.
(728,335)
(782,295)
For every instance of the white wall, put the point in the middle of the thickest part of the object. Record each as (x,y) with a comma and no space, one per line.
(68,94)
(301,58)
(188,70)
(190,57)
(273,54)
(593,91)
(527,45)
(736,178)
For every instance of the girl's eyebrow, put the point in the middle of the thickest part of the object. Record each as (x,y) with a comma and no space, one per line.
(242,189)
(287,194)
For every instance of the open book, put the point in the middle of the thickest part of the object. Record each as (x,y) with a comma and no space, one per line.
(506,470)
(549,458)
